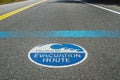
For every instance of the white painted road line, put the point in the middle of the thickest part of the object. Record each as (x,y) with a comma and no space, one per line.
(110,10)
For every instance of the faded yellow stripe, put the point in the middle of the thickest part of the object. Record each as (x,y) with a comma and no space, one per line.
(19,10)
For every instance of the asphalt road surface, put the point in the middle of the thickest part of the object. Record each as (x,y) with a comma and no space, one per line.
(102,63)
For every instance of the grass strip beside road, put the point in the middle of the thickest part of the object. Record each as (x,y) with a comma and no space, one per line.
(9,1)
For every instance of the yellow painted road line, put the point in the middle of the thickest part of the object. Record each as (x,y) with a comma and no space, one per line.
(19,10)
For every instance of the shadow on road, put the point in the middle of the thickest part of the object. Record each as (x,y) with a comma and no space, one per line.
(105,2)
(67,1)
